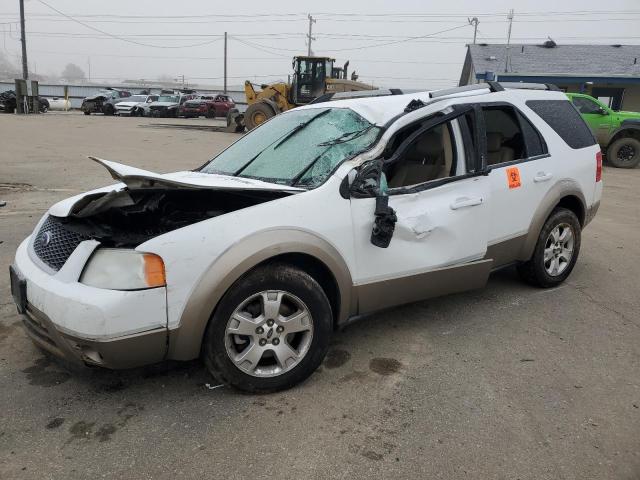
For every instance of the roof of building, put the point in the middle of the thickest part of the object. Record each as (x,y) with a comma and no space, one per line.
(559,60)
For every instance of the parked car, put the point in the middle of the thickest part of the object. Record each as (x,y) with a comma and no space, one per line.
(167,105)
(8,102)
(618,133)
(131,105)
(104,101)
(322,214)
(209,106)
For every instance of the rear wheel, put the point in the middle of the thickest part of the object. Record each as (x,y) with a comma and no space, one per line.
(108,109)
(624,152)
(211,113)
(258,113)
(86,112)
(270,331)
(556,250)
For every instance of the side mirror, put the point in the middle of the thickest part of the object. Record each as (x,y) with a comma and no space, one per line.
(602,111)
(370,181)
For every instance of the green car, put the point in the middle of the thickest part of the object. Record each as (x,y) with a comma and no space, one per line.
(618,133)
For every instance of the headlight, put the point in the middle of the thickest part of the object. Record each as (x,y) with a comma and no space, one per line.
(121,269)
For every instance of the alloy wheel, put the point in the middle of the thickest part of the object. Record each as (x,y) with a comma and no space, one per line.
(558,249)
(269,333)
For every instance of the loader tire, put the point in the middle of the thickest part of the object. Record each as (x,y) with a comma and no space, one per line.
(258,113)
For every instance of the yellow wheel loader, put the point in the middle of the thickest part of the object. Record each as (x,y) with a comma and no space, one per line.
(312,77)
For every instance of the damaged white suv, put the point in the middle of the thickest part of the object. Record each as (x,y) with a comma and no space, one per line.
(322,214)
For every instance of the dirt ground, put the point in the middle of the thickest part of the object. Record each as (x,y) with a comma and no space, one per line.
(505,382)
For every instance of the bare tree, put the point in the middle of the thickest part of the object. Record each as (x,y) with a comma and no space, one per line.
(72,72)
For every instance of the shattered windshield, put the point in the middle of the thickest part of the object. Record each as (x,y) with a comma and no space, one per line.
(297,148)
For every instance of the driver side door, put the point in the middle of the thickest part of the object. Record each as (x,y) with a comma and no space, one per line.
(440,199)
(591,111)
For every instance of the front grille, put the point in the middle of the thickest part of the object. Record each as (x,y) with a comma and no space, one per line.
(54,243)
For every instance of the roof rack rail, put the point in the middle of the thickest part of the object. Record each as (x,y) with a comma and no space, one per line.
(494,87)
(379,92)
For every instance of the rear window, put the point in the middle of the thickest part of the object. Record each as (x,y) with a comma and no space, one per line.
(565,121)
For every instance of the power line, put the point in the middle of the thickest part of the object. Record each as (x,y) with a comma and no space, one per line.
(120,38)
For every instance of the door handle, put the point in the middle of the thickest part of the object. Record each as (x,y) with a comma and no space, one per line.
(464,202)
(542,177)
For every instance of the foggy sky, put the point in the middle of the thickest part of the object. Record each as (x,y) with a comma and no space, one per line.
(424,63)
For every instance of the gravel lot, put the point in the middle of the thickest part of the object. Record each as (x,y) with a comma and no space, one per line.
(506,382)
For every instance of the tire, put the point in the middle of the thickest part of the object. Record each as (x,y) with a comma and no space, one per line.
(539,272)
(211,113)
(86,112)
(258,113)
(108,110)
(624,152)
(291,292)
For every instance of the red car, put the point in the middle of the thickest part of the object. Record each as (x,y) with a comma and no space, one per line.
(210,106)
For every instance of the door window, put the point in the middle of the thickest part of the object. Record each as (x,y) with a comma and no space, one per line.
(505,140)
(431,156)
(586,106)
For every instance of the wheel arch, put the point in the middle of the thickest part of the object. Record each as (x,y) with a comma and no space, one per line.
(565,194)
(628,130)
(303,249)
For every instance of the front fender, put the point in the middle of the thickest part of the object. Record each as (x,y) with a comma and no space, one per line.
(185,341)
(626,126)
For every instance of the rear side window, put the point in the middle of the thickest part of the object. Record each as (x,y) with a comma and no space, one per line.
(565,121)
(534,142)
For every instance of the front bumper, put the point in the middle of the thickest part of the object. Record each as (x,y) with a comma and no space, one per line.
(87,325)
(124,352)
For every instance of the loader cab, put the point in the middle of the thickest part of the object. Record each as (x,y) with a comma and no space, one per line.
(310,77)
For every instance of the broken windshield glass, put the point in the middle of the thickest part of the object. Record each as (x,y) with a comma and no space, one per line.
(300,147)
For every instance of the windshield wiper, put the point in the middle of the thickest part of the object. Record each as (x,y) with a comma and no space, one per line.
(300,127)
(346,137)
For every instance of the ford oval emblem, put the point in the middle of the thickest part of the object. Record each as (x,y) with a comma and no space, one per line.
(45,239)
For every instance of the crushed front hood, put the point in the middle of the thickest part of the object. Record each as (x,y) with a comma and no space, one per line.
(136,179)
(127,104)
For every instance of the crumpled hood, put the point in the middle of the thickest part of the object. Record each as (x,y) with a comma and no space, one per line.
(136,178)
(95,97)
(127,104)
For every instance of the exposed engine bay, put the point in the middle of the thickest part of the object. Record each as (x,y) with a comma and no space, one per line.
(126,218)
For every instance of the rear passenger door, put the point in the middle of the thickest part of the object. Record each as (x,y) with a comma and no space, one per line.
(520,172)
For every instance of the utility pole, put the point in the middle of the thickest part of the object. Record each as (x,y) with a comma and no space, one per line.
(309,37)
(225,62)
(474,21)
(23,39)
(507,60)
(89,65)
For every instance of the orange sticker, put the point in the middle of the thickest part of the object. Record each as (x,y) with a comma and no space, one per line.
(513,177)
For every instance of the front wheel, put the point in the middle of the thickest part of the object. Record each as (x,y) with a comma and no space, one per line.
(556,250)
(624,152)
(270,331)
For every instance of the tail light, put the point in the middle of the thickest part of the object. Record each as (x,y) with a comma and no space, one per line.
(598,166)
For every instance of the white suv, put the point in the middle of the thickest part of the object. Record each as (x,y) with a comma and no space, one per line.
(323,214)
